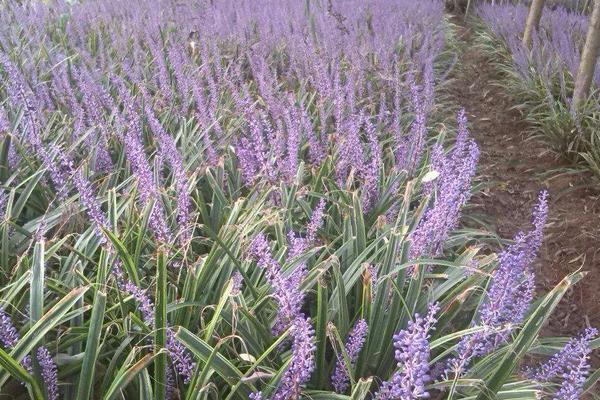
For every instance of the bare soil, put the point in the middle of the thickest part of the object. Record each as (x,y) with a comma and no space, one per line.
(514,168)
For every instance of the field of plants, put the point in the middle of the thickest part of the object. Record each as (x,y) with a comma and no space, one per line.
(281,199)
(543,77)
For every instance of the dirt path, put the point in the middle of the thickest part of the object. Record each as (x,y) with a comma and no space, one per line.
(514,170)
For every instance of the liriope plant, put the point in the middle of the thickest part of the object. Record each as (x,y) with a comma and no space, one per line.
(541,79)
(262,204)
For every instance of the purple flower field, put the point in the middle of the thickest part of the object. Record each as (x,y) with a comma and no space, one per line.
(264,199)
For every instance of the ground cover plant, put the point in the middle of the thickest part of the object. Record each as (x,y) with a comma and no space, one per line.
(541,78)
(255,199)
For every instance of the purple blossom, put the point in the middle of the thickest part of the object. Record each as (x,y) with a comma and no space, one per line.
(8,334)
(438,163)
(61,80)
(371,173)
(338,100)
(17,91)
(412,355)
(557,44)
(289,299)
(4,123)
(236,283)
(354,342)
(144,303)
(350,150)
(163,76)
(569,367)
(256,396)
(259,251)
(59,167)
(509,294)
(453,190)
(294,136)
(176,59)
(298,244)
(316,221)
(177,353)
(136,156)
(91,204)
(3,199)
(315,148)
(286,292)
(428,85)
(9,338)
(214,90)
(49,373)
(400,146)
(252,150)
(418,129)
(248,164)
(168,150)
(93,113)
(302,363)
(205,119)
(382,113)
(180,357)
(409,149)
(169,383)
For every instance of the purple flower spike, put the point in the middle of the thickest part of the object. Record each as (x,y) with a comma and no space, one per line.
(18,92)
(8,334)
(350,151)
(354,343)
(316,221)
(509,295)
(144,302)
(4,124)
(236,283)
(316,151)
(569,367)
(49,373)
(294,136)
(259,251)
(418,130)
(371,173)
(412,355)
(285,291)
(136,156)
(168,150)
(302,363)
(88,200)
(456,170)
(180,357)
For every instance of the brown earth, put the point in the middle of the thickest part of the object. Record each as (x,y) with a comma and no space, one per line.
(513,169)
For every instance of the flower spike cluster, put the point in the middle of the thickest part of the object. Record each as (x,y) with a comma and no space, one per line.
(290,298)
(412,355)
(456,170)
(569,367)
(354,343)
(9,338)
(509,294)
(49,372)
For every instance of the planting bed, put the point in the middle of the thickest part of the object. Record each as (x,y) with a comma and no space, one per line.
(283,200)
(513,166)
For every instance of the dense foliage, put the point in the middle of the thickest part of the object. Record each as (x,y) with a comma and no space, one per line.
(254,199)
(541,78)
